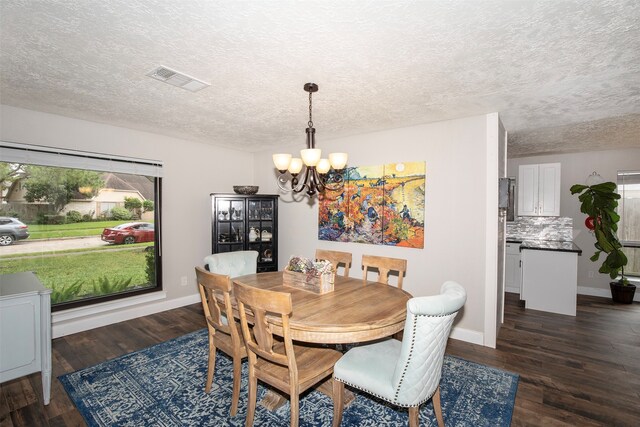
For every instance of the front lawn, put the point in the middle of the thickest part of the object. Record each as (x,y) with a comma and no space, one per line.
(73,274)
(70,251)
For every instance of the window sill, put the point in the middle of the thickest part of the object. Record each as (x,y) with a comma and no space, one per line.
(82,318)
(635,280)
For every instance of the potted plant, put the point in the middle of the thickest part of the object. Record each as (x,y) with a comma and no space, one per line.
(599,202)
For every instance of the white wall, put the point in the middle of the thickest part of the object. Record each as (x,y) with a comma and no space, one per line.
(191,172)
(576,167)
(460,213)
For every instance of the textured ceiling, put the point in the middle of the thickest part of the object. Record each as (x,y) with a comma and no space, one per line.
(564,75)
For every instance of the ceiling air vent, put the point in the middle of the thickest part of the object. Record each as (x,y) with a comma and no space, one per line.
(176,78)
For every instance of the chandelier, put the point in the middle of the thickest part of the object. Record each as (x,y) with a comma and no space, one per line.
(320,173)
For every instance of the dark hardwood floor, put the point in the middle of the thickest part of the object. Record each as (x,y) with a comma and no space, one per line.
(582,371)
(577,371)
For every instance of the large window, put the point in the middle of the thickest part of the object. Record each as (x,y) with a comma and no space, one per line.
(87,224)
(629,227)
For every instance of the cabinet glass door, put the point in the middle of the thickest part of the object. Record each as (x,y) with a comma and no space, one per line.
(261,229)
(230,224)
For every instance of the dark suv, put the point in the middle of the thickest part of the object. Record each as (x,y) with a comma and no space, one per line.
(11,229)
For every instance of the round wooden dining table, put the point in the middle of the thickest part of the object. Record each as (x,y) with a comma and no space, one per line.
(356,311)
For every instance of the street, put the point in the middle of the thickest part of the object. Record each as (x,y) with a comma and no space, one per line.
(28,246)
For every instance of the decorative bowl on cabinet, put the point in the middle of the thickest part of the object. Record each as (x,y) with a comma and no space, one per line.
(245,189)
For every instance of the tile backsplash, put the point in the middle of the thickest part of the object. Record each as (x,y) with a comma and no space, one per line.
(540,228)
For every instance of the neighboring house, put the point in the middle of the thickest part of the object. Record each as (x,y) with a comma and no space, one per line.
(14,204)
(117,186)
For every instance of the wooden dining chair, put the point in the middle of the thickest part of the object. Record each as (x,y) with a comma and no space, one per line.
(406,373)
(384,266)
(335,258)
(223,329)
(290,368)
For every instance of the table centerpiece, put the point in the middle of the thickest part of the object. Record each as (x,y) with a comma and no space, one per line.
(308,275)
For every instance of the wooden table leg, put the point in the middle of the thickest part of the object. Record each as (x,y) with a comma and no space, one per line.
(326,387)
(273,399)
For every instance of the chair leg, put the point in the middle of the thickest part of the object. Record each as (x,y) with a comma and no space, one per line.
(237,372)
(414,413)
(294,397)
(251,407)
(211,366)
(338,402)
(437,408)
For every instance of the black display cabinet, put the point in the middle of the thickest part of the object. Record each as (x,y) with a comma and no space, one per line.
(246,222)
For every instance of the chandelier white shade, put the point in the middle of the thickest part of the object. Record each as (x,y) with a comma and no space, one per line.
(311,156)
(338,160)
(282,161)
(320,173)
(323,166)
(295,166)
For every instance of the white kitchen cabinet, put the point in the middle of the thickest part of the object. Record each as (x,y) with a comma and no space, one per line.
(25,329)
(539,190)
(513,270)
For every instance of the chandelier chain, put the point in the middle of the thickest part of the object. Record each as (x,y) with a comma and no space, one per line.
(310,120)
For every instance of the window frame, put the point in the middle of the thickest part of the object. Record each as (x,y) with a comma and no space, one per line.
(12,152)
(620,210)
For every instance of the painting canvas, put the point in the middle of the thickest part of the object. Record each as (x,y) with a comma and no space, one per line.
(381,205)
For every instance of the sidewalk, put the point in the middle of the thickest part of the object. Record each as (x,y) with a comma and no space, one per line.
(29,246)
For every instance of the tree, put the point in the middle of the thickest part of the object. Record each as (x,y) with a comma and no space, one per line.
(134,205)
(148,206)
(9,173)
(57,186)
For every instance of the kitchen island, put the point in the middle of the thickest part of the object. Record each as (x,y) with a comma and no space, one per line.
(550,275)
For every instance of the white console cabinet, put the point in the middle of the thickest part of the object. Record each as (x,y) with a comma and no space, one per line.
(25,329)
(539,190)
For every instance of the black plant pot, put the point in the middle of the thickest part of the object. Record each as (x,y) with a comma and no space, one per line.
(622,294)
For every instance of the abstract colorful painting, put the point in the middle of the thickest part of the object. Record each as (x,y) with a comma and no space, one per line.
(382,205)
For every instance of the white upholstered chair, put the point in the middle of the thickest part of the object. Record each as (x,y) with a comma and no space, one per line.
(405,373)
(232,264)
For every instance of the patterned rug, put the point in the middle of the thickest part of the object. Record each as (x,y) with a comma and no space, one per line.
(163,385)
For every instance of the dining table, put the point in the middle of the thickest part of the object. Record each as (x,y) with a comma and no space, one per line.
(356,311)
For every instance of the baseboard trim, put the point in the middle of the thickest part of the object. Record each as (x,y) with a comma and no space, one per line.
(599,292)
(78,320)
(467,335)
(73,321)
(512,290)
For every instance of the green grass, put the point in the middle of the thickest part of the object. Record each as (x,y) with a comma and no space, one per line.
(71,251)
(84,272)
(88,269)
(78,229)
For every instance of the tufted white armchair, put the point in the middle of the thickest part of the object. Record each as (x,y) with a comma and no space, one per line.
(405,373)
(232,264)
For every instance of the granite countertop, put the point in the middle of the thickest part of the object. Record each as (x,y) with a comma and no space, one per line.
(550,245)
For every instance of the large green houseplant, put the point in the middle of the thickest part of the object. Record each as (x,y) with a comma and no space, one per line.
(599,202)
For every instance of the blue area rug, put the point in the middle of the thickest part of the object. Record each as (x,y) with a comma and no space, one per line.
(163,385)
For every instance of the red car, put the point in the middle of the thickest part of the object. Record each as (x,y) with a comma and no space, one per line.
(131,232)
